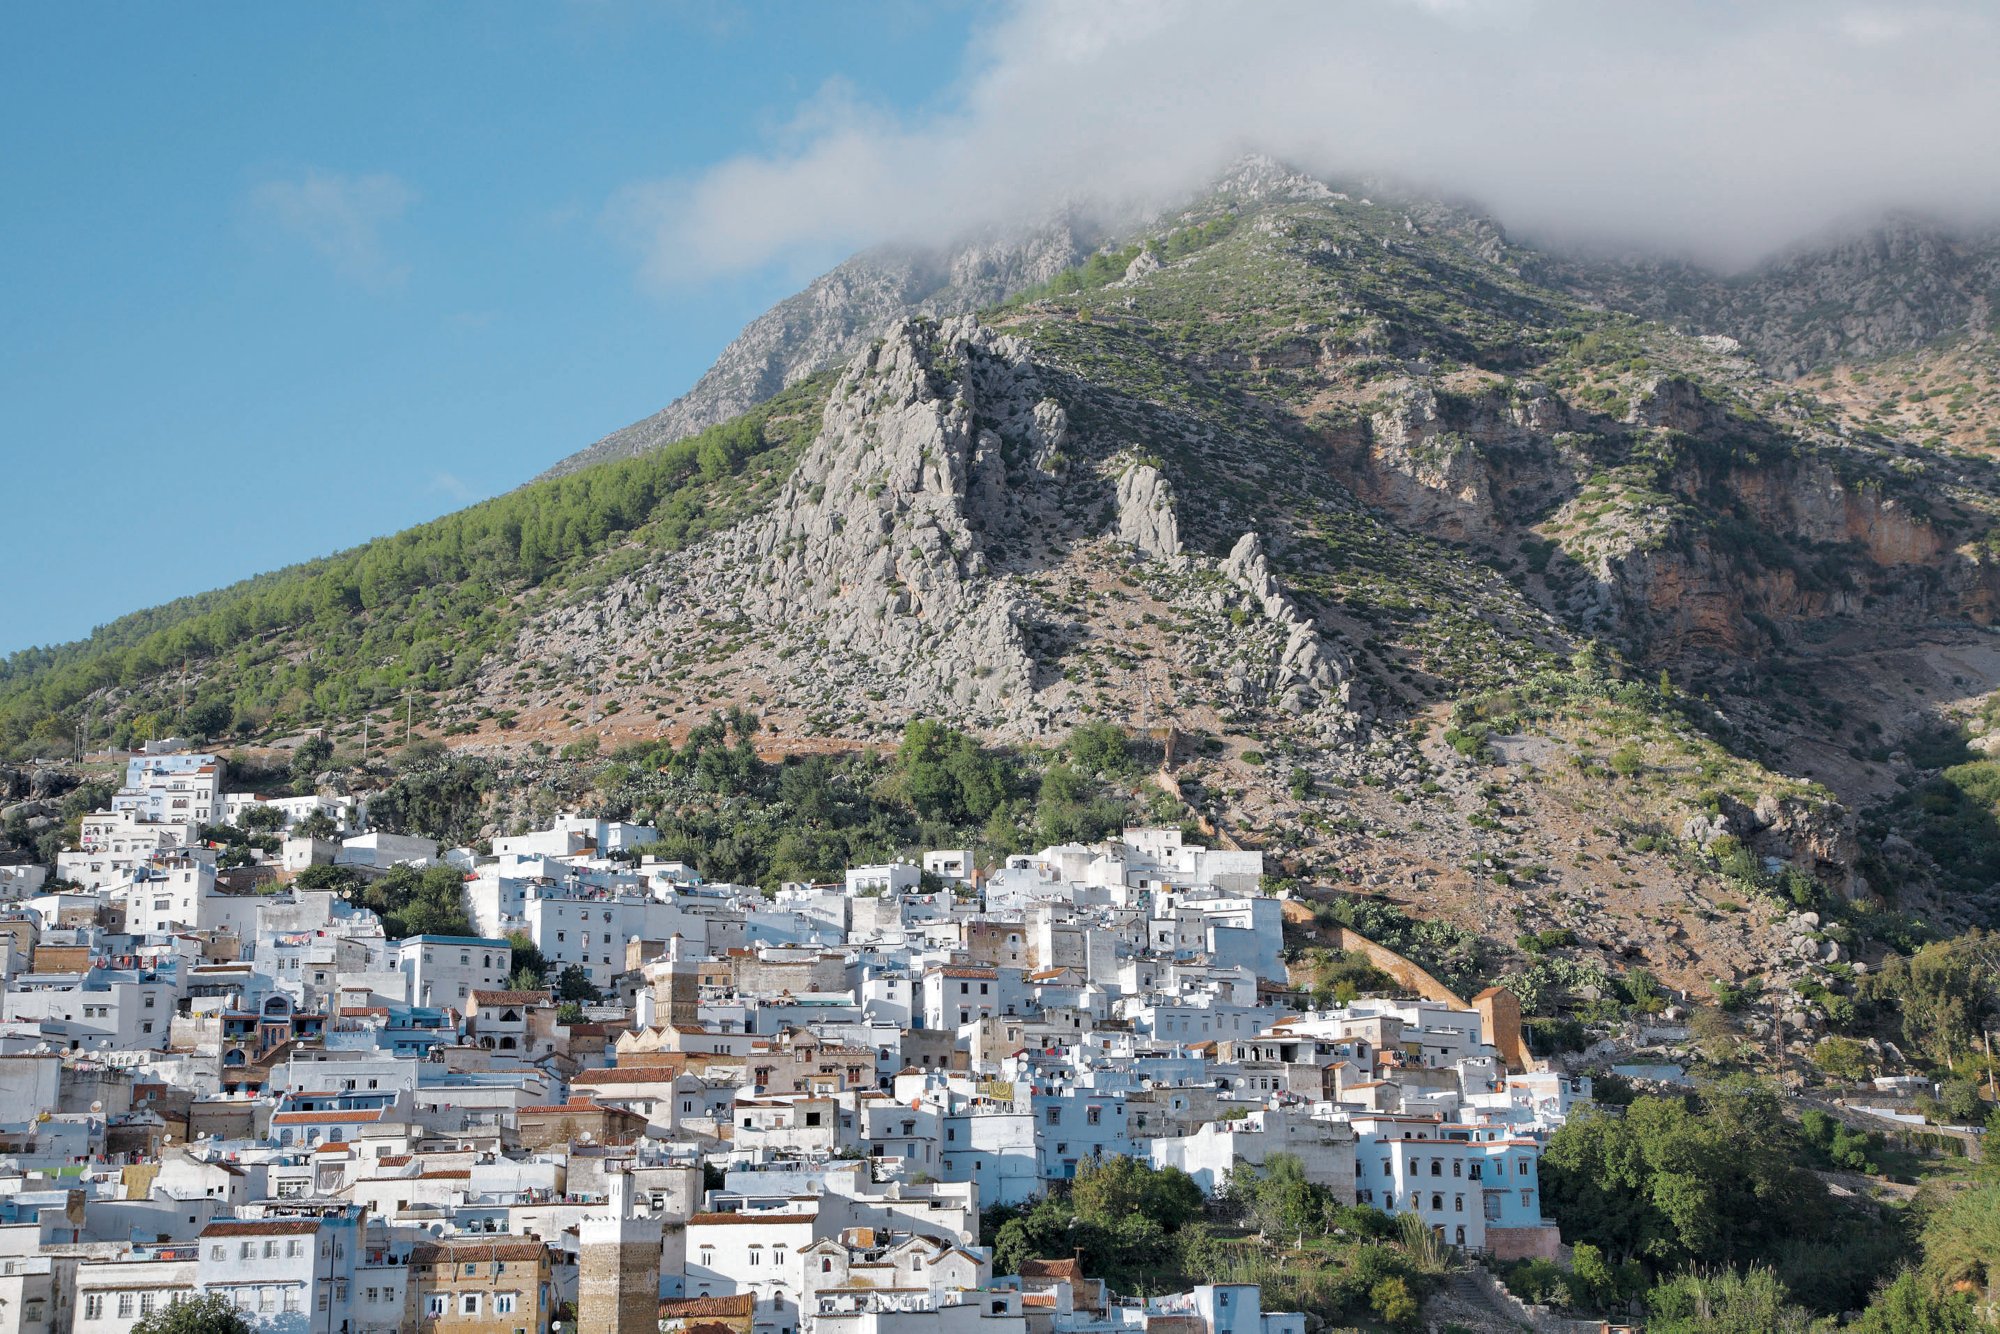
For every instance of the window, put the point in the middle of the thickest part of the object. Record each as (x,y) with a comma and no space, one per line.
(217,1252)
(247,1250)
(1458,1204)
(1437,1168)
(468,1303)
(503,1303)
(93,1306)
(1054,1116)
(271,1249)
(434,1305)
(1437,1202)
(146,1303)
(1093,1115)
(1457,1167)
(124,1306)
(267,1301)
(1222,1298)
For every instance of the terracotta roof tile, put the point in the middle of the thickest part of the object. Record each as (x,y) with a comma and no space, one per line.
(684,1308)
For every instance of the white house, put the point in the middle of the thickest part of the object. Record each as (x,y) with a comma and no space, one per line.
(446,970)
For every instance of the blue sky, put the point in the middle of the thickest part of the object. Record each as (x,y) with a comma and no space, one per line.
(280,278)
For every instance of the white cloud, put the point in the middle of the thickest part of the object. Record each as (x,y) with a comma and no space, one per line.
(1718,128)
(452,487)
(341,218)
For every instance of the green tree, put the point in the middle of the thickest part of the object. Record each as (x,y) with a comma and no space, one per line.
(1684,1181)
(1948,993)
(1108,1191)
(309,760)
(574,984)
(317,825)
(342,880)
(530,965)
(262,818)
(206,1313)
(414,903)
(1280,1200)
(1101,748)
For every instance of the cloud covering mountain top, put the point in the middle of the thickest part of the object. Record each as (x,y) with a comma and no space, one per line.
(1720,130)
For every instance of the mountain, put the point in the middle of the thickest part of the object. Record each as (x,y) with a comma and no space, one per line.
(1538,597)
(838,312)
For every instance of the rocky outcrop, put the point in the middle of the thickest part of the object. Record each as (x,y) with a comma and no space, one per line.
(1300,673)
(1430,474)
(1146,519)
(876,537)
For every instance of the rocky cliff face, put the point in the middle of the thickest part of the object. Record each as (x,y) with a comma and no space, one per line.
(917,561)
(1891,289)
(879,535)
(838,312)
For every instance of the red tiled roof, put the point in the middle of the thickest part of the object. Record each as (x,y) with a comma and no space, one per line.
(513,997)
(328,1118)
(749,1218)
(663,1073)
(682,1308)
(460,1250)
(576,1105)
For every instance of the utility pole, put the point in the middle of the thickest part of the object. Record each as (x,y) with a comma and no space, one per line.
(409,712)
(364,739)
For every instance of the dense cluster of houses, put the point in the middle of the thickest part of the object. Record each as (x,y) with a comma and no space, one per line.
(765,1113)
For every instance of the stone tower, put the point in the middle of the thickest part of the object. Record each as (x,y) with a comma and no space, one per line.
(618,1267)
